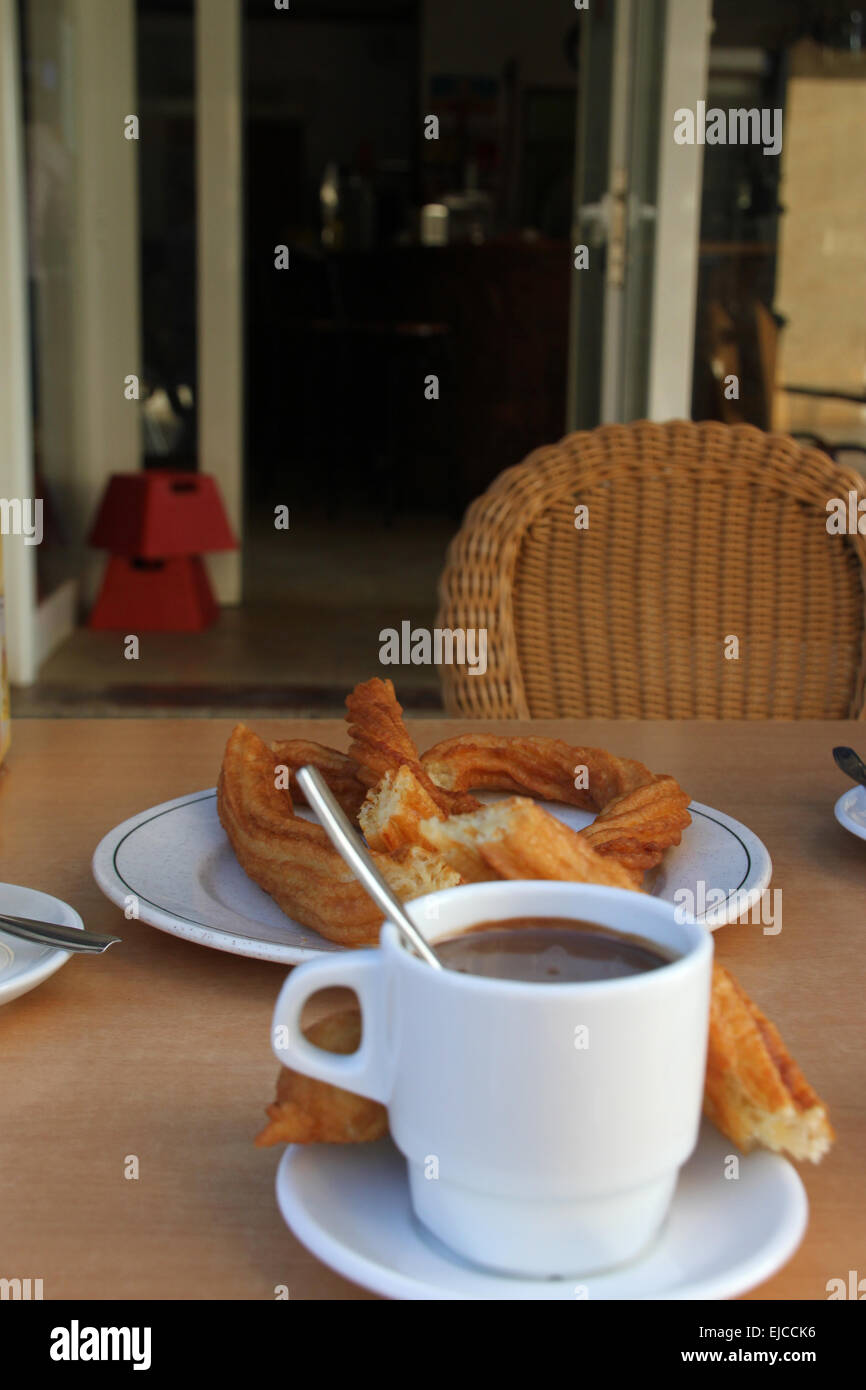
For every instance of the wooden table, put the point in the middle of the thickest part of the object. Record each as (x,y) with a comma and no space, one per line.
(160,1048)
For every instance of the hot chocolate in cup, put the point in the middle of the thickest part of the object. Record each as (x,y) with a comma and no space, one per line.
(543,1124)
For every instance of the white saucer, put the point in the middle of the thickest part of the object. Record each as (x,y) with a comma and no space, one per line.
(850,811)
(349,1205)
(24,965)
(176,861)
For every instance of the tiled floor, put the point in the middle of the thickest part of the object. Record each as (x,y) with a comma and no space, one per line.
(317,597)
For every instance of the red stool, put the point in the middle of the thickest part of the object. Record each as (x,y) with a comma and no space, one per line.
(156,526)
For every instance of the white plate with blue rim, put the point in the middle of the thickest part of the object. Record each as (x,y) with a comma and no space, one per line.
(173,867)
(726,1232)
(23,964)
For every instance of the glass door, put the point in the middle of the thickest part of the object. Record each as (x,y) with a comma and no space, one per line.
(637,197)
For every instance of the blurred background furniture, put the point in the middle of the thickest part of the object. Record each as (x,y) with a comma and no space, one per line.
(696,534)
(345,344)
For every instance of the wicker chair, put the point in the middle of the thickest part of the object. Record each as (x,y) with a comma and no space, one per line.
(696,533)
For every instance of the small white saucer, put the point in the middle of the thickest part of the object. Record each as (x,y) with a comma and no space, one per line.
(349,1205)
(850,811)
(24,965)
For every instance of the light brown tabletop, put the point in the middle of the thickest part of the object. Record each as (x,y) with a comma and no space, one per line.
(160,1048)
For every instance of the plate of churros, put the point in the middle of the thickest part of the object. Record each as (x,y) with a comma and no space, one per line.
(244,867)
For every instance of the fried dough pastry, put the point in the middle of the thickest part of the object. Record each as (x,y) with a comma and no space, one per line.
(315,1112)
(640,815)
(755,1092)
(381,743)
(293,860)
(532,766)
(338,769)
(392,813)
(637,827)
(517,838)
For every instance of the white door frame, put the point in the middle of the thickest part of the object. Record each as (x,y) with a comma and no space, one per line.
(678,217)
(617,192)
(16,456)
(107,274)
(219,232)
(676,208)
(104,271)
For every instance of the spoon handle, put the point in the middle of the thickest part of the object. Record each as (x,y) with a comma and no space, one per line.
(346,840)
(53,934)
(851,764)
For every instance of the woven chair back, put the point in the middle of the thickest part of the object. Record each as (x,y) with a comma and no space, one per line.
(700,582)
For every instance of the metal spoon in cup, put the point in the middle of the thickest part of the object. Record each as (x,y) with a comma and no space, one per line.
(348,843)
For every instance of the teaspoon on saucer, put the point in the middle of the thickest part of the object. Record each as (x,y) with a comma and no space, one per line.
(51,934)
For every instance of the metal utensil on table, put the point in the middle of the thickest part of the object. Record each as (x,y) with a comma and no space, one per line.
(53,934)
(851,764)
(348,843)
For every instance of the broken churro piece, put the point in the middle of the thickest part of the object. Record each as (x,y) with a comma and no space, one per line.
(456,840)
(755,1092)
(381,743)
(314,1112)
(393,810)
(517,838)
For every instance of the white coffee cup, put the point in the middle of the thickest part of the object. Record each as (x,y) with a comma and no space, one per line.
(544,1125)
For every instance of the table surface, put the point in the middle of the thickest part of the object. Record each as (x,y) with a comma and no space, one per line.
(160,1048)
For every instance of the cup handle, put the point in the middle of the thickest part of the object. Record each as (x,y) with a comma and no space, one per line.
(366,1072)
